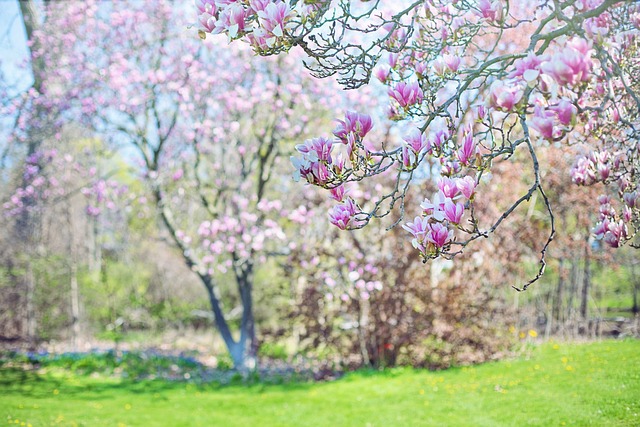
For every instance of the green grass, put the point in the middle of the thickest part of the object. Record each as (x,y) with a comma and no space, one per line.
(594,384)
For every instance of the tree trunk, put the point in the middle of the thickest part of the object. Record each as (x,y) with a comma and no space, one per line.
(586,283)
(31,321)
(557,300)
(32,19)
(75,304)
(236,349)
(247,325)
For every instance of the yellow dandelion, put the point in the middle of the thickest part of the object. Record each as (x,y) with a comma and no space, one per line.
(569,368)
(512,329)
(421,391)
(522,335)
(56,392)
(556,346)
(127,406)
(532,333)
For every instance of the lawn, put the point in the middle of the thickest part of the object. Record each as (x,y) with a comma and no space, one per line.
(594,384)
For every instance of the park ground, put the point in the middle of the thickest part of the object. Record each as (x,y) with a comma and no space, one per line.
(554,384)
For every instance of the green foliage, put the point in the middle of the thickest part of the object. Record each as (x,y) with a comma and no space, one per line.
(272,350)
(225,363)
(558,384)
(52,275)
(134,365)
(115,292)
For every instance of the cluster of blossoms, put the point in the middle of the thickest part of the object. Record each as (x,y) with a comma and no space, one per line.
(433,231)
(241,234)
(263,22)
(49,175)
(37,185)
(103,194)
(603,167)
(320,166)
(611,231)
(566,72)
(345,215)
(359,282)
(596,167)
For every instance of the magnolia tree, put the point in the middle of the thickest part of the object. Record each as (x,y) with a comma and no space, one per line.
(477,82)
(211,162)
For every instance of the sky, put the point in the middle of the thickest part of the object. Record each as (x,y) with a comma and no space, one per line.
(13,48)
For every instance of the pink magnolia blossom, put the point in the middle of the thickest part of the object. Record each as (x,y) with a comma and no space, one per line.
(273,20)
(231,19)
(359,124)
(316,149)
(453,211)
(382,74)
(439,137)
(177,175)
(582,172)
(337,193)
(419,228)
(565,111)
(448,187)
(446,63)
(467,186)
(344,214)
(601,228)
(440,235)
(416,140)
(315,165)
(603,170)
(491,10)
(407,94)
(505,95)
(435,208)
(630,199)
(527,64)
(259,5)
(468,150)
(421,68)
(571,65)
(617,231)
(450,167)
(542,122)
(207,10)
(206,6)
(480,112)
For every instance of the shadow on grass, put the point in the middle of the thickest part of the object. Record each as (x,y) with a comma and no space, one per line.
(33,384)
